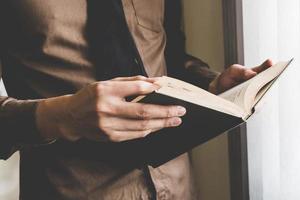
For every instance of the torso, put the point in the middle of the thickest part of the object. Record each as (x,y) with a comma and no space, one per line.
(47,54)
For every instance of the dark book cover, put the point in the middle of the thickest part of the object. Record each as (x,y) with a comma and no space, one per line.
(199,125)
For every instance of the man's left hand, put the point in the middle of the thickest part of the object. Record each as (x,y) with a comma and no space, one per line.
(235,75)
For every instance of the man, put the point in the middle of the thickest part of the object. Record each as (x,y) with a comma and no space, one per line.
(68,67)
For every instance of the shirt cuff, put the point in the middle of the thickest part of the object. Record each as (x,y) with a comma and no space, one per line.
(18,126)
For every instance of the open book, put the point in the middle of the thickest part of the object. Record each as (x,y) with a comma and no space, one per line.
(208,115)
(238,101)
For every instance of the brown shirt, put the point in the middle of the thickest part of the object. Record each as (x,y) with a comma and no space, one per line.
(145,20)
(47,52)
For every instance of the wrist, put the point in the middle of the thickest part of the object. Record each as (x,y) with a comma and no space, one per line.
(50,115)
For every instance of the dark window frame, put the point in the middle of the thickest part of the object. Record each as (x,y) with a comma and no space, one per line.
(237,138)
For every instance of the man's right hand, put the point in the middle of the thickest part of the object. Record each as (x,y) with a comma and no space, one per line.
(100,112)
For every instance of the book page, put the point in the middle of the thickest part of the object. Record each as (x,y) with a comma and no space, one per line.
(236,94)
(259,85)
(247,94)
(190,93)
(178,84)
(262,92)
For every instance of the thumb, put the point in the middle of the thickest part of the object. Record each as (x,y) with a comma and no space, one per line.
(265,65)
(131,88)
(249,73)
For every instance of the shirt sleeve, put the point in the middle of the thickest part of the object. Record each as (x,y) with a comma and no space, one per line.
(191,69)
(199,72)
(17,117)
(17,125)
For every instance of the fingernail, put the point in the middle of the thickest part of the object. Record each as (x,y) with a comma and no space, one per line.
(176,122)
(181,111)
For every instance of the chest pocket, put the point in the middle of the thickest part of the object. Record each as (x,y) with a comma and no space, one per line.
(149,14)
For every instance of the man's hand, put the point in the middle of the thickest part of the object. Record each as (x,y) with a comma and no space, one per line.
(100,112)
(235,75)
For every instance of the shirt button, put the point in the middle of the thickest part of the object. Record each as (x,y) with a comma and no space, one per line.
(136,61)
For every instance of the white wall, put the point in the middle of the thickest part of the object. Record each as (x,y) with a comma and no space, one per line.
(9,171)
(2,89)
(272,29)
(9,178)
(203,25)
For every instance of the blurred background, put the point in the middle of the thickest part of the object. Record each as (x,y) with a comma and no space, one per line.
(203,25)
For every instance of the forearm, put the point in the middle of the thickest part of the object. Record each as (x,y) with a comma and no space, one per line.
(97,112)
(17,125)
(29,123)
(199,73)
(50,114)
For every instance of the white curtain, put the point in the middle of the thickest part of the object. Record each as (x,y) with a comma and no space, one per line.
(272,30)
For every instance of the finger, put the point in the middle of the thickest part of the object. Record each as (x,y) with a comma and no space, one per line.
(130,88)
(248,74)
(147,111)
(117,136)
(133,78)
(120,136)
(121,124)
(155,79)
(136,78)
(240,73)
(265,65)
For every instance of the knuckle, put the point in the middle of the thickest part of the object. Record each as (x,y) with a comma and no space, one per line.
(231,68)
(105,108)
(140,77)
(101,107)
(169,112)
(235,66)
(143,113)
(141,86)
(110,109)
(102,125)
(99,88)
(144,124)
